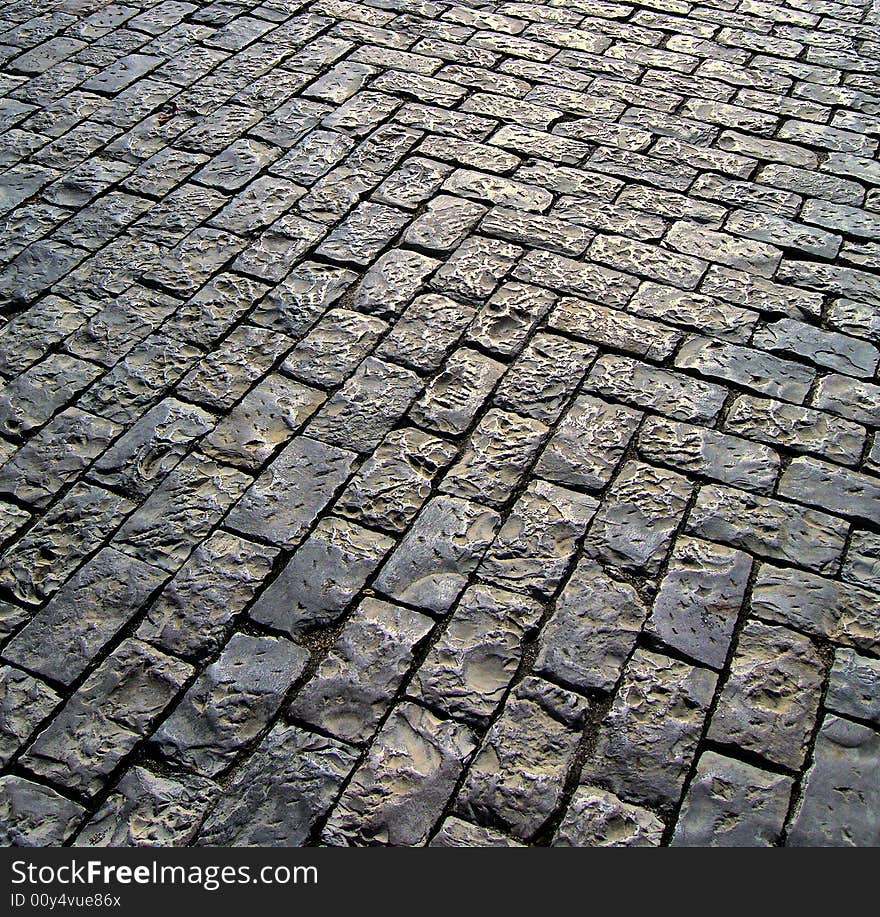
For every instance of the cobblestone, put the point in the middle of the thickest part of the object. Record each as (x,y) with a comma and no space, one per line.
(440,423)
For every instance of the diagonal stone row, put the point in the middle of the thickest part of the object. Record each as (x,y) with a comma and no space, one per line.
(439,423)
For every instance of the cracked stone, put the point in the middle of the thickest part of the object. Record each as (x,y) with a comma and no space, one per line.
(535,544)
(149,810)
(840,796)
(191,615)
(322,578)
(597,818)
(592,630)
(431,565)
(515,780)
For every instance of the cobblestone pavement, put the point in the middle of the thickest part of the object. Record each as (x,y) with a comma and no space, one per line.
(440,423)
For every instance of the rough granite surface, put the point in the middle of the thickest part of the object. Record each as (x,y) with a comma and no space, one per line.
(445,423)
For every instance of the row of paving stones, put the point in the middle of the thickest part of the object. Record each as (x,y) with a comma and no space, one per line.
(432,423)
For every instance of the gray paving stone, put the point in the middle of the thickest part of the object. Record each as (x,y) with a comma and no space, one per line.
(852,688)
(649,738)
(284,501)
(47,463)
(821,607)
(296,303)
(636,522)
(597,818)
(36,395)
(106,717)
(357,680)
(470,666)
(768,527)
(496,457)
(393,281)
(365,409)
(475,268)
(732,804)
(445,224)
(516,777)
(614,329)
(797,428)
(394,482)
(149,810)
(400,790)
(862,563)
(93,606)
(454,396)
(191,615)
(644,386)
(321,579)
(430,566)
(534,546)
(700,597)
(50,551)
(294,293)
(140,379)
(268,416)
(364,234)
(768,704)
(25,702)
(334,347)
(181,511)
(152,447)
(839,803)
(455,832)
(426,331)
(591,631)
(282,791)
(706,453)
(603,285)
(543,377)
(35,815)
(230,703)
(745,366)
(838,490)
(503,325)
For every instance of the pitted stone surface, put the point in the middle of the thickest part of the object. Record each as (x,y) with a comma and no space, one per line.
(231,702)
(468,669)
(149,810)
(592,630)
(360,675)
(443,547)
(768,703)
(404,783)
(699,600)
(253,813)
(516,776)
(647,741)
(597,818)
(839,803)
(732,804)
(403,376)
